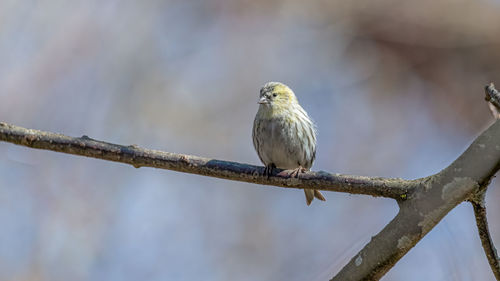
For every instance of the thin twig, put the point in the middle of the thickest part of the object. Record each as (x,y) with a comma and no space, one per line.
(398,189)
(484,234)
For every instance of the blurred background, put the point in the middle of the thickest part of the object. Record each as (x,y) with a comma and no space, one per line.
(396,89)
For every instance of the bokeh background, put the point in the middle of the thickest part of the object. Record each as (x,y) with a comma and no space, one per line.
(395,87)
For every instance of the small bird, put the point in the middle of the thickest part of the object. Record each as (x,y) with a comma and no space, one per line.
(283,134)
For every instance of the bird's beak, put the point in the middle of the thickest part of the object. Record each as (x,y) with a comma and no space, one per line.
(263,100)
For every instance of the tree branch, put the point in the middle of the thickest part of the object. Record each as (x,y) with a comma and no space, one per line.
(398,189)
(423,203)
(428,204)
(484,233)
(492,95)
(493,99)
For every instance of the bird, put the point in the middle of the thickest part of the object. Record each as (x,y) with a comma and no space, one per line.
(284,135)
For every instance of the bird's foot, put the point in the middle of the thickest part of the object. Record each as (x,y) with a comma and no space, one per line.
(295,173)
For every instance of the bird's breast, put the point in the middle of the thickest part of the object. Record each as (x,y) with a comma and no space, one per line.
(284,143)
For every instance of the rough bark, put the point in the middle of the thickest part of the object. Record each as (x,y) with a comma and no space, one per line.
(438,195)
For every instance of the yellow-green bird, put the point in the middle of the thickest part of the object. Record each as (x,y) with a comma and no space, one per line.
(283,134)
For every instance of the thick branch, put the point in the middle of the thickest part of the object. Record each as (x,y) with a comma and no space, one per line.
(139,157)
(484,234)
(428,204)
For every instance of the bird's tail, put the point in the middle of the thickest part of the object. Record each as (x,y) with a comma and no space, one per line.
(311,193)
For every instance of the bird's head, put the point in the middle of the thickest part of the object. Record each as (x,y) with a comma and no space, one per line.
(276,94)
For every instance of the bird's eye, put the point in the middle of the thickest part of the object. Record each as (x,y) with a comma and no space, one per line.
(274,95)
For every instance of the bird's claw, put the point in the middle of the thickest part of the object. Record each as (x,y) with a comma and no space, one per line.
(295,173)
